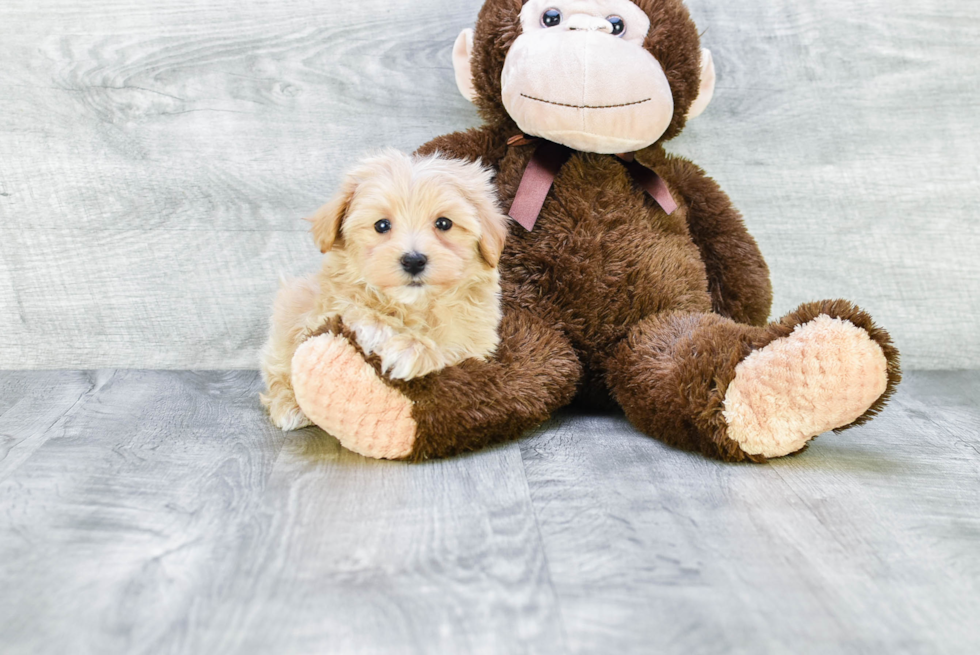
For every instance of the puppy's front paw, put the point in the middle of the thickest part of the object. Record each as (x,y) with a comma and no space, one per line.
(406,358)
(372,335)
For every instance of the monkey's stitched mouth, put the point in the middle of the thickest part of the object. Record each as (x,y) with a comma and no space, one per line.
(562,104)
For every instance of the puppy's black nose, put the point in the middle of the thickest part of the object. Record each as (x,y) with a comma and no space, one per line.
(414,262)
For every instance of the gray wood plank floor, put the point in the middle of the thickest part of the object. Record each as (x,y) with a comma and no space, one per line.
(153,512)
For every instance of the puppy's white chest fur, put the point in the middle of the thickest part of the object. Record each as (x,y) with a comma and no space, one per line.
(416,342)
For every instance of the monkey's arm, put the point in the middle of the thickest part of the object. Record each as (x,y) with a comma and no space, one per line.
(476,144)
(738,277)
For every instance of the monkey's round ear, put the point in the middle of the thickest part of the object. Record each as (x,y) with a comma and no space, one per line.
(462,64)
(328,220)
(707,91)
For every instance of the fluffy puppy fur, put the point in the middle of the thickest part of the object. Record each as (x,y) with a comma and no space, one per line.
(420,291)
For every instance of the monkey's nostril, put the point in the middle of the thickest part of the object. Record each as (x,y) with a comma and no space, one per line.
(414,262)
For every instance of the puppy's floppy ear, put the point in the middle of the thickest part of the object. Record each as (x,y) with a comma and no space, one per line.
(493,223)
(476,184)
(494,236)
(327,220)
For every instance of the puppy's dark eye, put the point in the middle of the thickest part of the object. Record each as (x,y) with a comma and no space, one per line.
(551,18)
(618,24)
(444,224)
(382,226)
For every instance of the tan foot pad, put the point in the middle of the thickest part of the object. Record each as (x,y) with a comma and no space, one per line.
(823,376)
(342,394)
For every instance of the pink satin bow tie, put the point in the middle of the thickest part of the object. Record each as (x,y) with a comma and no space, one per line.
(539,177)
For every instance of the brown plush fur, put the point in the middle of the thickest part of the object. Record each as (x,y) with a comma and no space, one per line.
(479,403)
(609,298)
(671,374)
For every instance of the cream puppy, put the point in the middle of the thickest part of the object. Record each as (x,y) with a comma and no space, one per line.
(411,249)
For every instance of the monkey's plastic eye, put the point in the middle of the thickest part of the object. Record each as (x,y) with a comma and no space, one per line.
(551,18)
(618,25)
(382,226)
(444,224)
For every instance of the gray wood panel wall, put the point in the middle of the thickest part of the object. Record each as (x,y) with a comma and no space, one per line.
(156,159)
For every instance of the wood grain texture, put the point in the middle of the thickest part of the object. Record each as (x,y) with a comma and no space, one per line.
(33,406)
(155,160)
(112,528)
(349,555)
(868,542)
(161,513)
(165,514)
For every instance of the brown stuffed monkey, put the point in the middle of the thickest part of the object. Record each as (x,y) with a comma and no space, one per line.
(637,284)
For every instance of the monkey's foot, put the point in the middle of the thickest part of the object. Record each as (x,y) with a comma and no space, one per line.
(825,375)
(341,393)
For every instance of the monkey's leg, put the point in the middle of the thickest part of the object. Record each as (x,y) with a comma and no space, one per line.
(737,392)
(462,408)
